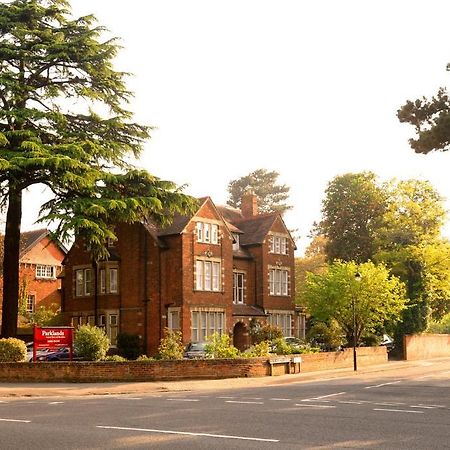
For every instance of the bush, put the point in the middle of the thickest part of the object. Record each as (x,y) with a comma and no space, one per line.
(440,327)
(171,346)
(129,345)
(257,350)
(144,358)
(12,350)
(219,346)
(265,332)
(114,358)
(91,343)
(327,337)
(281,347)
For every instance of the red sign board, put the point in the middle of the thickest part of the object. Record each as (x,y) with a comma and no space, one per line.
(52,339)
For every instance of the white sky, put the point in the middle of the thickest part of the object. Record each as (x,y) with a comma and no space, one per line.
(307,88)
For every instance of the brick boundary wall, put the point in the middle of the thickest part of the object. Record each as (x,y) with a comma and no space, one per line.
(423,346)
(131,371)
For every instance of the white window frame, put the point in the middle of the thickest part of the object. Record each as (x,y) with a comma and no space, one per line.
(173,319)
(113,284)
(83,282)
(236,244)
(206,322)
(279,245)
(282,320)
(45,271)
(238,289)
(279,282)
(207,275)
(31,303)
(102,280)
(199,229)
(207,233)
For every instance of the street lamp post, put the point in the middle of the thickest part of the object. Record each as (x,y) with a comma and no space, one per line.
(355,363)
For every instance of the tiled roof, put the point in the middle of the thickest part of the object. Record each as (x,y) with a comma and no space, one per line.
(247,310)
(230,214)
(255,229)
(30,238)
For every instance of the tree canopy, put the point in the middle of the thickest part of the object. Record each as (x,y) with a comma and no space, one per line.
(64,123)
(378,298)
(263,183)
(352,211)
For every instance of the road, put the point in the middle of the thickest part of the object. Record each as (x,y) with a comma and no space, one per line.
(407,409)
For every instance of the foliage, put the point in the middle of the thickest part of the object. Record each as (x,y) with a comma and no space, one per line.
(440,327)
(64,124)
(378,298)
(327,337)
(114,358)
(281,347)
(144,358)
(46,316)
(258,350)
(265,332)
(431,120)
(12,350)
(271,196)
(351,213)
(91,343)
(171,346)
(219,346)
(129,345)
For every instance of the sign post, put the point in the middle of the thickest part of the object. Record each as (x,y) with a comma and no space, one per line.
(52,338)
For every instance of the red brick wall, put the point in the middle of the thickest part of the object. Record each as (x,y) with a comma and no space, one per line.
(423,346)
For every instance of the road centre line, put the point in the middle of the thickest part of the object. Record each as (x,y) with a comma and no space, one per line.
(244,402)
(383,384)
(350,402)
(280,399)
(252,398)
(422,406)
(398,410)
(314,406)
(314,400)
(227,397)
(186,433)
(55,403)
(15,420)
(183,399)
(387,403)
(329,395)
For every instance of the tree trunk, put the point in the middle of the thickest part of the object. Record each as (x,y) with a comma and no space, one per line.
(11,265)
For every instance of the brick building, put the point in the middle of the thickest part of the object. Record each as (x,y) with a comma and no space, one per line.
(40,266)
(221,270)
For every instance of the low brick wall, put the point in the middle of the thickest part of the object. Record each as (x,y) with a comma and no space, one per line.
(366,356)
(131,371)
(423,346)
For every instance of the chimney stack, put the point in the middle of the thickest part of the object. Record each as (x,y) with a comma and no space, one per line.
(249,204)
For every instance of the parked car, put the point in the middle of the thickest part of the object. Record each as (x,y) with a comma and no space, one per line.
(195,350)
(62,354)
(39,352)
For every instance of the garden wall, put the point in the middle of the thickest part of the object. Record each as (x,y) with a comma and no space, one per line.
(185,369)
(423,346)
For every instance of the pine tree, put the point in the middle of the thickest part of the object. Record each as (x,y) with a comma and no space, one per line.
(64,124)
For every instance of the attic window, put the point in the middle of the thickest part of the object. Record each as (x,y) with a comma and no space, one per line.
(44,271)
(207,233)
(279,245)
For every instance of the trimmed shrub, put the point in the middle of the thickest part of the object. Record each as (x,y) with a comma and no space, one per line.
(171,346)
(12,350)
(129,345)
(91,343)
(281,347)
(260,349)
(219,346)
(145,358)
(114,358)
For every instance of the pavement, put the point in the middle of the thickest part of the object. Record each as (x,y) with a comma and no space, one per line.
(38,389)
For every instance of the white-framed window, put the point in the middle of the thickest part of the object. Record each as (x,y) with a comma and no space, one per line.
(113,280)
(207,232)
(83,282)
(236,241)
(238,287)
(31,303)
(279,245)
(281,320)
(45,271)
(102,280)
(173,318)
(279,282)
(207,275)
(101,321)
(206,323)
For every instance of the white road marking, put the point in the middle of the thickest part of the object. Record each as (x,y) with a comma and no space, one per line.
(326,396)
(183,399)
(55,403)
(252,398)
(186,433)
(226,397)
(244,402)
(281,399)
(314,406)
(129,398)
(398,410)
(383,384)
(15,420)
(314,400)
(350,402)
(388,404)
(422,406)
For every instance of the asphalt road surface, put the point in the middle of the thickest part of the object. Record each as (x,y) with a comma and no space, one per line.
(407,409)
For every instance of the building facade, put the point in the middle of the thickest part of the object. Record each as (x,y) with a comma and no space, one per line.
(221,270)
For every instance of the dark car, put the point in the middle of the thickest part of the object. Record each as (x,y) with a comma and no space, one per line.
(195,350)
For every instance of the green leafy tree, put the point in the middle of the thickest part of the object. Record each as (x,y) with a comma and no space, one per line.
(378,298)
(64,124)
(352,211)
(263,183)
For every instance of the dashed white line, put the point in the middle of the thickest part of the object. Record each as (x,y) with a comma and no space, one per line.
(398,410)
(303,405)
(183,399)
(244,402)
(422,406)
(227,397)
(326,396)
(55,403)
(350,402)
(281,399)
(186,433)
(383,384)
(15,420)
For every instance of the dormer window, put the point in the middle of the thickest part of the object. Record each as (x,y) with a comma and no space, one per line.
(236,241)
(278,245)
(207,233)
